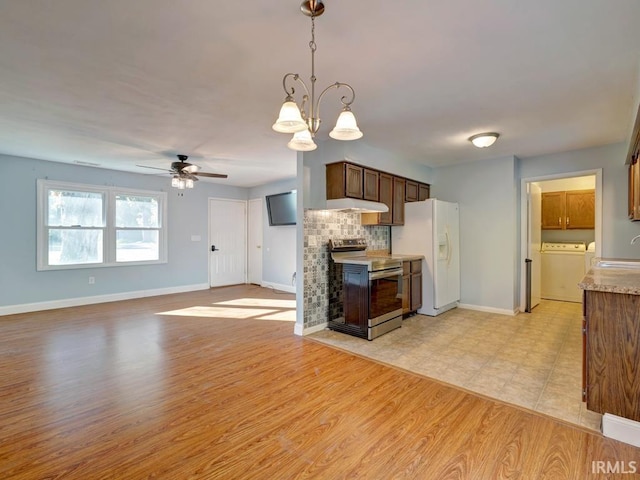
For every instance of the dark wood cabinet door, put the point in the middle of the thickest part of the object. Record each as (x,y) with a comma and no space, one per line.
(353,181)
(371,179)
(416,291)
(398,201)
(344,180)
(355,280)
(634,187)
(423,192)
(406,294)
(411,191)
(386,197)
(553,210)
(580,209)
(613,353)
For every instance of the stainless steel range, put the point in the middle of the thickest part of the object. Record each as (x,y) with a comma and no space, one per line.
(367,299)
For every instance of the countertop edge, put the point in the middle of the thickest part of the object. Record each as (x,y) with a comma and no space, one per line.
(611,280)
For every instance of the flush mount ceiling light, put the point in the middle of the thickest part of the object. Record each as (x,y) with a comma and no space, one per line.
(295,119)
(484,140)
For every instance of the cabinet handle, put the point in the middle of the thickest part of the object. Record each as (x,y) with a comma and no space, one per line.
(567,221)
(560,221)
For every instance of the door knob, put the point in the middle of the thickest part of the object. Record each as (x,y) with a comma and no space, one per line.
(214,249)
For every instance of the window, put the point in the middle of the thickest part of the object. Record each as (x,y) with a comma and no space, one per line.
(90,226)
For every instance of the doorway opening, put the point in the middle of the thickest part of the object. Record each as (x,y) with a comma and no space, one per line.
(555,246)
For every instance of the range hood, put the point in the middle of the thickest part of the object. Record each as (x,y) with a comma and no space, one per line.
(356,205)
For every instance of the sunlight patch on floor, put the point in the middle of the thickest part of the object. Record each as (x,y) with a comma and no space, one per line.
(243,308)
(260,302)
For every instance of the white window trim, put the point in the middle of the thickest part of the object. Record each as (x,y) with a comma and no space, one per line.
(110,228)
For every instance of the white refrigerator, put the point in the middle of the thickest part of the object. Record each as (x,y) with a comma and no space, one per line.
(431,228)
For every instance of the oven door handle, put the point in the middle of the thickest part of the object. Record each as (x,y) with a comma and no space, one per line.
(385,274)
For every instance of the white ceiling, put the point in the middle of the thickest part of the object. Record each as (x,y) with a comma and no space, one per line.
(121,83)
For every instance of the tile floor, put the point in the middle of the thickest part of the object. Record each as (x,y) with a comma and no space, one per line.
(532,360)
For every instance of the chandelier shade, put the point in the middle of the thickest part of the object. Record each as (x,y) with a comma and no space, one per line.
(302,141)
(290,119)
(346,127)
(295,118)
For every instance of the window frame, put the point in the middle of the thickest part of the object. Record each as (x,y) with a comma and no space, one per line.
(109,229)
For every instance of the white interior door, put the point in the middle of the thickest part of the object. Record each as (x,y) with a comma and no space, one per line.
(227,242)
(254,242)
(534,243)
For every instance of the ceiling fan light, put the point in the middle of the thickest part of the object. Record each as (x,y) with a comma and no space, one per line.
(290,119)
(188,183)
(346,127)
(175,181)
(484,140)
(302,141)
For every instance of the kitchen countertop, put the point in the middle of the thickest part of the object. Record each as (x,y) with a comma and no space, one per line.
(613,279)
(406,257)
(365,259)
(395,256)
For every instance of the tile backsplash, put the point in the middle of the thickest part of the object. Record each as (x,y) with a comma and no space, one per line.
(319,227)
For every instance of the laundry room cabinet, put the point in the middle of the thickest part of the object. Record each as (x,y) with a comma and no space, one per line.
(570,210)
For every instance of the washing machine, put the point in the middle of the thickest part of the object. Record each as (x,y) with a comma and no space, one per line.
(563,267)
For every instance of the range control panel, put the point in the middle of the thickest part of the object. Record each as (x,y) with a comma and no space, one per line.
(347,244)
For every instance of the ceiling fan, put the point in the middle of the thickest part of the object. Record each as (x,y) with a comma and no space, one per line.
(184,173)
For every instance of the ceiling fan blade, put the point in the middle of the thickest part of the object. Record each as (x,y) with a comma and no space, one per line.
(189,168)
(210,175)
(155,168)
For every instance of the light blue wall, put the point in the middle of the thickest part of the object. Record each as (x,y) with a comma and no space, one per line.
(617,230)
(278,243)
(489,198)
(21,284)
(487,195)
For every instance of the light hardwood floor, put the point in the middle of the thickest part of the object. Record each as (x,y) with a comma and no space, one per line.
(214,385)
(531,360)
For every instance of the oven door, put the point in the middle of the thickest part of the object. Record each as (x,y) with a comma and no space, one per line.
(385,295)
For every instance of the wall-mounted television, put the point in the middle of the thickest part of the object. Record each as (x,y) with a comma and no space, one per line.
(281,208)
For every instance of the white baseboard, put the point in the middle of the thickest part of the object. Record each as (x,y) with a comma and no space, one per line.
(279,286)
(481,308)
(621,429)
(114,297)
(301,331)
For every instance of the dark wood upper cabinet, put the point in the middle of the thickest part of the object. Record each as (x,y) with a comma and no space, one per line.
(371,187)
(423,191)
(634,183)
(633,160)
(386,197)
(411,191)
(344,180)
(416,191)
(348,180)
(398,201)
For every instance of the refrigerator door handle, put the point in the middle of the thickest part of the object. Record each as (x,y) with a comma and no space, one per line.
(446,232)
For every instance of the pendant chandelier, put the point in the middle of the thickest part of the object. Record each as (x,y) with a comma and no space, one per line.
(295,119)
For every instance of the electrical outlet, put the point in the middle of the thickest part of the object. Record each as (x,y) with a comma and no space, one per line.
(92,280)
